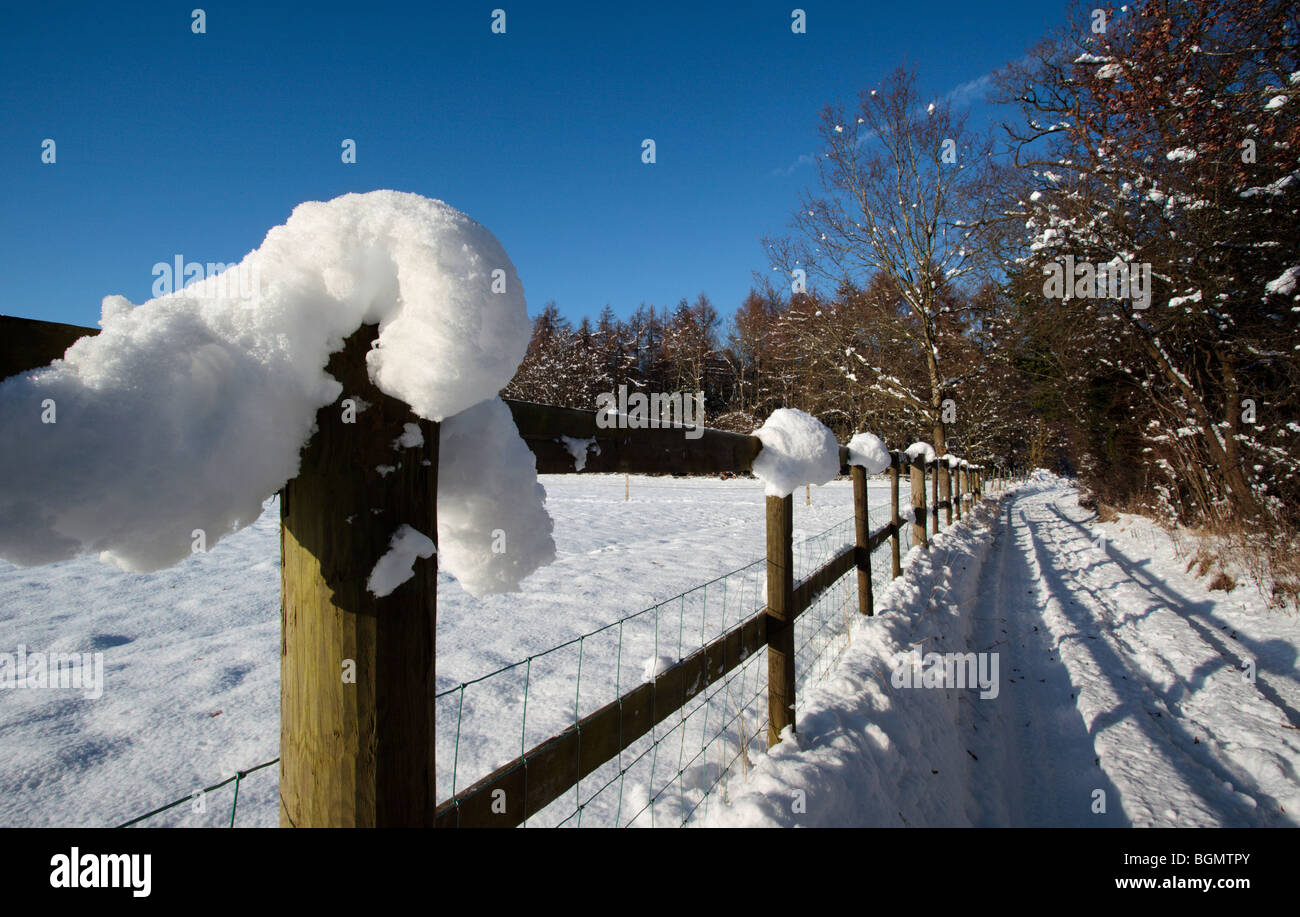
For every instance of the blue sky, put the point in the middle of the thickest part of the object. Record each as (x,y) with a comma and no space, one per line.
(171,143)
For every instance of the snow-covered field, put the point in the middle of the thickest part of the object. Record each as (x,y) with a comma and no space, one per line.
(1119,673)
(191,653)
(1121,684)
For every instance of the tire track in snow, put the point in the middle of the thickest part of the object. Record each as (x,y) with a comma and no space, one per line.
(1146,745)
(1210,639)
(1035,743)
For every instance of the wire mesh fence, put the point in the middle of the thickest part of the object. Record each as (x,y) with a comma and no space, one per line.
(684,764)
(672,774)
(490,721)
(207,807)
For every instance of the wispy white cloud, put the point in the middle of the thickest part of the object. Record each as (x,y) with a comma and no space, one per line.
(805,159)
(966,92)
(959,95)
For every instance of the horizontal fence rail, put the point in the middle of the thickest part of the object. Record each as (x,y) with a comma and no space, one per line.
(27,344)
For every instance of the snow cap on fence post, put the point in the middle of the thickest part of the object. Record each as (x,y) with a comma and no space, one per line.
(797,449)
(188,411)
(921,452)
(869,451)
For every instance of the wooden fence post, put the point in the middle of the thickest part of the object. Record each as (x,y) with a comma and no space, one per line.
(945,490)
(780,619)
(956,492)
(862,526)
(895,520)
(918,504)
(934,498)
(357,672)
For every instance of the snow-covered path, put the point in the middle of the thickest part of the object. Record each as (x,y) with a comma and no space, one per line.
(1121,697)
(1114,678)
(1029,735)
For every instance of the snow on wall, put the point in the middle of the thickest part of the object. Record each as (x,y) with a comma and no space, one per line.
(189,410)
(797,449)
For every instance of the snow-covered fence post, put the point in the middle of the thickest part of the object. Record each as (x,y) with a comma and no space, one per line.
(780,617)
(895,520)
(357,669)
(957,491)
(918,502)
(862,536)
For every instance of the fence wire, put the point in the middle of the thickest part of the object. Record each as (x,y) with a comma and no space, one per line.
(693,758)
(673,773)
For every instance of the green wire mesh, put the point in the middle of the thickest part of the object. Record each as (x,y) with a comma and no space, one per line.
(669,776)
(203,810)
